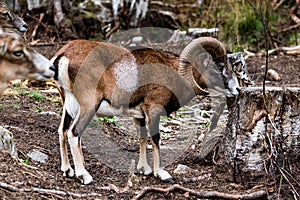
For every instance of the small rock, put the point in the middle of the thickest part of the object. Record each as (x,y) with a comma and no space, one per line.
(165,129)
(49,113)
(137,39)
(182,169)
(272,75)
(38,156)
(7,142)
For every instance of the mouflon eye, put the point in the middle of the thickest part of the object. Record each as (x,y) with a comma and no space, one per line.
(18,53)
(5,15)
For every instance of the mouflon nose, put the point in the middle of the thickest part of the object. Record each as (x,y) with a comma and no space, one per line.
(52,68)
(25,26)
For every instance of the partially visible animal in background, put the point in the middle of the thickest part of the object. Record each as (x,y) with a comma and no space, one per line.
(18,61)
(11,22)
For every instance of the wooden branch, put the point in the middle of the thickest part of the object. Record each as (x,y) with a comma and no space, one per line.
(277,5)
(110,187)
(290,51)
(205,194)
(48,191)
(293,16)
(198,178)
(289,28)
(113,30)
(42,15)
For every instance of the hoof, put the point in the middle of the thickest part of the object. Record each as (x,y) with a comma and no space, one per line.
(145,170)
(85,178)
(69,173)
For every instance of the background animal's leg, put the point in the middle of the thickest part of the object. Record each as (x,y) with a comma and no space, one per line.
(74,137)
(153,128)
(62,131)
(142,167)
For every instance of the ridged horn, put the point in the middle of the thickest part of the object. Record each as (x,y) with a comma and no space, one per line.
(188,58)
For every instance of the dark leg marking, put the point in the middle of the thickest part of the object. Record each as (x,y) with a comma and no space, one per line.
(67,121)
(156,139)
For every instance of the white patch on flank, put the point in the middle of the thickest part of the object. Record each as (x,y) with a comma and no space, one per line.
(106,110)
(126,74)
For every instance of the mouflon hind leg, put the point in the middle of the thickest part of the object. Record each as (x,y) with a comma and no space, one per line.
(142,167)
(152,119)
(62,131)
(74,137)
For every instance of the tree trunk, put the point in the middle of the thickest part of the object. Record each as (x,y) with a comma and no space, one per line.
(262,131)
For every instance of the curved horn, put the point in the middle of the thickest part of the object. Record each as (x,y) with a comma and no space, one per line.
(188,58)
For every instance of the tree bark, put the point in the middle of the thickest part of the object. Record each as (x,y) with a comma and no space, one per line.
(262,131)
(7,142)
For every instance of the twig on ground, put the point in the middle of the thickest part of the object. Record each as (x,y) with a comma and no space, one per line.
(198,178)
(288,181)
(289,28)
(63,193)
(205,194)
(278,5)
(294,9)
(42,15)
(48,191)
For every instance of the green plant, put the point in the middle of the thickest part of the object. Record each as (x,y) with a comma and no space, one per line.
(22,92)
(56,100)
(39,110)
(60,112)
(17,84)
(108,120)
(207,124)
(294,39)
(25,161)
(250,28)
(166,118)
(16,105)
(36,96)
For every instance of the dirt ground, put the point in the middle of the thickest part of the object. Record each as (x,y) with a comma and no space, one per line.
(34,123)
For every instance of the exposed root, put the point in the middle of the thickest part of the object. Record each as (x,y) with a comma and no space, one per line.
(204,194)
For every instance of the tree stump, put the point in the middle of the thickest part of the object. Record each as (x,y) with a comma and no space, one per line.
(7,142)
(262,131)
